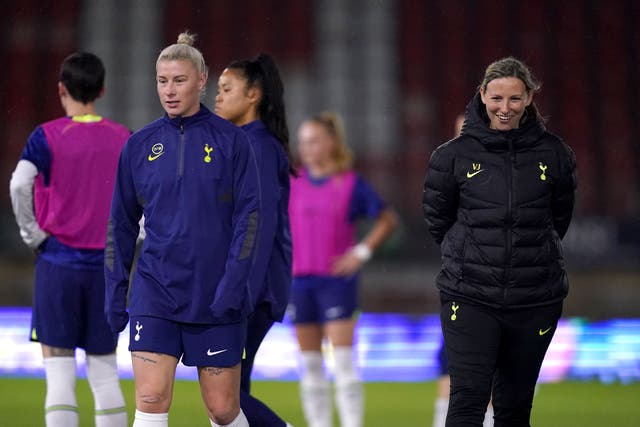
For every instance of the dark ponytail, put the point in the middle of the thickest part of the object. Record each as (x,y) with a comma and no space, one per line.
(262,71)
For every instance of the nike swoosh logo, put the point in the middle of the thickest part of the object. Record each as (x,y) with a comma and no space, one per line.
(471,175)
(213,353)
(541,332)
(152,158)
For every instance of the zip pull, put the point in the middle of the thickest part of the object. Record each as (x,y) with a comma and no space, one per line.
(181,152)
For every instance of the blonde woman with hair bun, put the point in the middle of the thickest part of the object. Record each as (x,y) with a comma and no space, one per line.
(327,199)
(194,177)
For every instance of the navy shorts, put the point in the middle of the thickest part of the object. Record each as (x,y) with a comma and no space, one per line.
(317,299)
(68,309)
(219,346)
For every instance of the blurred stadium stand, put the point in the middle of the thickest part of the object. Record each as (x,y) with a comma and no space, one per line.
(399,72)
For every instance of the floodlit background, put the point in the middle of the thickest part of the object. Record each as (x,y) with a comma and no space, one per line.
(399,72)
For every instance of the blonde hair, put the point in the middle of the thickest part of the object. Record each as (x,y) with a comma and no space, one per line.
(184,50)
(342,155)
(512,67)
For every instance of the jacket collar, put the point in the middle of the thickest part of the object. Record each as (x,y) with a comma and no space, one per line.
(178,122)
(476,125)
(253,126)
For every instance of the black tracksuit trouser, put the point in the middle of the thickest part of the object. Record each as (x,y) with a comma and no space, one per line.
(494,354)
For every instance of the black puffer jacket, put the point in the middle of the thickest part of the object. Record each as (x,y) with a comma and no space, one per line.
(498,202)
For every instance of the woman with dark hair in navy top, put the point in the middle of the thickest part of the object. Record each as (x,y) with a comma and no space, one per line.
(250,95)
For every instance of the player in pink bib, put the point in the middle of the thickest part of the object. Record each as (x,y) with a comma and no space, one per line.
(61,192)
(326,201)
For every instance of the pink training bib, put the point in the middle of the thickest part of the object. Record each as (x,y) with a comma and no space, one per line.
(75,205)
(320,226)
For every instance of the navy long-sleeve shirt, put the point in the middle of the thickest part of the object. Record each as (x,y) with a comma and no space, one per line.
(271,275)
(196,181)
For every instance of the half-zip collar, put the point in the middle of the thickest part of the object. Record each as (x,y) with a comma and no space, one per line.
(182,122)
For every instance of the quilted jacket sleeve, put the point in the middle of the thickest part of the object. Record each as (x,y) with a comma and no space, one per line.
(440,194)
(563,198)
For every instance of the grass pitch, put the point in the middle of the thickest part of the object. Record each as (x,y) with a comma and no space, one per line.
(567,404)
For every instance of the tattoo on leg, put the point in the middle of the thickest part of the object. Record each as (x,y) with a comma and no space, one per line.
(214,371)
(143,358)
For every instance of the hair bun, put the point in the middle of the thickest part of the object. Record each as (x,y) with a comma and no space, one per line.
(186,38)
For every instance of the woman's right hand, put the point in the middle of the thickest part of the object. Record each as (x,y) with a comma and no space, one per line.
(347,264)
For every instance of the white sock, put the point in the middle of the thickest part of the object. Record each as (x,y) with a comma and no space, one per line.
(146,419)
(61,408)
(349,390)
(314,390)
(440,411)
(239,421)
(488,417)
(102,374)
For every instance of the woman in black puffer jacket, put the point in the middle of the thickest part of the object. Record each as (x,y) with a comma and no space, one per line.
(498,199)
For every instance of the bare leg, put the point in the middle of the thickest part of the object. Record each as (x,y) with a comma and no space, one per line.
(220,388)
(154,375)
